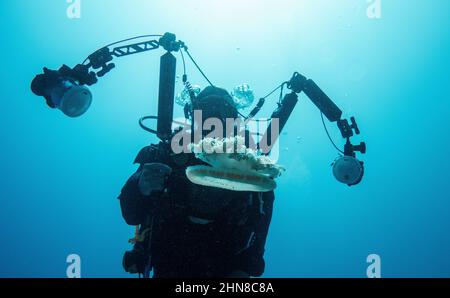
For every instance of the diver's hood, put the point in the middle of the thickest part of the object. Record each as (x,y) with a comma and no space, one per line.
(215,102)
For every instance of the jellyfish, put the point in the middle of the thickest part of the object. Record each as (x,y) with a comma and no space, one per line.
(184,98)
(232,166)
(243,96)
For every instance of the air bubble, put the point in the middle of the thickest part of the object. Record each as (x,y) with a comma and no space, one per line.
(243,96)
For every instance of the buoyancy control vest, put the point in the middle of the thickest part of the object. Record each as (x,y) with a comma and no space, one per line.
(198,229)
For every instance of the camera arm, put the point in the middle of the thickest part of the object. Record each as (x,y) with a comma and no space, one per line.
(99,63)
(101,59)
(299,83)
(54,84)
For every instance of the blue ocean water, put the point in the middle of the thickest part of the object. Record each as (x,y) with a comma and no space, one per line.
(60,177)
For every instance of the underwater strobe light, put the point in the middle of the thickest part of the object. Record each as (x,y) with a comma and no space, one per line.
(348,170)
(62,92)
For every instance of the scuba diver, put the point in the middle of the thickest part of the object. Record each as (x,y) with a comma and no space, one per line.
(189,222)
(190,230)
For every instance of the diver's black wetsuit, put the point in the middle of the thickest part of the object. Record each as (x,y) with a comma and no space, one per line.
(198,231)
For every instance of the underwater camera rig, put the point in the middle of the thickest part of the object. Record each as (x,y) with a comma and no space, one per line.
(66,89)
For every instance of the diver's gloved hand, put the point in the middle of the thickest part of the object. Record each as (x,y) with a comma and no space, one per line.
(153,177)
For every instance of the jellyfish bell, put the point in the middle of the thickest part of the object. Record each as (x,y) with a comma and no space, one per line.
(241,169)
(230,179)
(243,96)
(184,97)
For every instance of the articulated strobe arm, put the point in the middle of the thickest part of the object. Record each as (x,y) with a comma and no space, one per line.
(101,58)
(347,170)
(66,89)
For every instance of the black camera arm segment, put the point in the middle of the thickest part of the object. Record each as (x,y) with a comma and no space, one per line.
(299,83)
(327,107)
(135,48)
(99,63)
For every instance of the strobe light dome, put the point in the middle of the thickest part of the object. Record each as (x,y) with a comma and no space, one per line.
(62,93)
(348,170)
(72,99)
